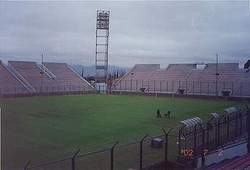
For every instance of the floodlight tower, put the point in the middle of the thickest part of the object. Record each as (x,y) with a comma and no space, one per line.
(102,37)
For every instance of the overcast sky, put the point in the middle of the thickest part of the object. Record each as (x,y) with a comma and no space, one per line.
(140,32)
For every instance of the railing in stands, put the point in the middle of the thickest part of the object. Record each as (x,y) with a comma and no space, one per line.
(46,71)
(20,78)
(68,66)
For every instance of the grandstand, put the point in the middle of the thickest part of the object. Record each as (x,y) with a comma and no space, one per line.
(67,77)
(9,83)
(33,74)
(25,78)
(136,76)
(195,79)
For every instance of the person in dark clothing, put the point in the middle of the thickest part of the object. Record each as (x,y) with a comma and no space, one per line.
(158,114)
(167,115)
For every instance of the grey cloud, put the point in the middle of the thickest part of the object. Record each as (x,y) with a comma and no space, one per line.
(140,32)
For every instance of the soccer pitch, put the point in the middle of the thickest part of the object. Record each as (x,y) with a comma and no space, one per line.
(48,128)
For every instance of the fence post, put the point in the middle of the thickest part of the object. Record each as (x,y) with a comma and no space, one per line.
(125,85)
(186,87)
(27,165)
(208,88)
(248,130)
(131,84)
(120,85)
(73,159)
(148,85)
(166,145)
(172,86)
(160,85)
(236,124)
(193,87)
(195,145)
(207,139)
(227,121)
(179,141)
(218,132)
(112,156)
(1,135)
(136,85)
(240,88)
(203,147)
(154,86)
(166,85)
(200,88)
(240,117)
(141,144)
(232,88)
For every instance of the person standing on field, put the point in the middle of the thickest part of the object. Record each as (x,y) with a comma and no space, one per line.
(158,114)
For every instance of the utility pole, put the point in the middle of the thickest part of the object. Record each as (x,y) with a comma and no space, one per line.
(42,58)
(82,72)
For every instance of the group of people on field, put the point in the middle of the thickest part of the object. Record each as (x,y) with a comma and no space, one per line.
(159,115)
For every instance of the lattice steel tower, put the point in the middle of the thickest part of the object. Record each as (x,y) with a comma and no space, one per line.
(102,37)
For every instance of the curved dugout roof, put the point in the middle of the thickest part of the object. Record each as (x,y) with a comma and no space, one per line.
(191,122)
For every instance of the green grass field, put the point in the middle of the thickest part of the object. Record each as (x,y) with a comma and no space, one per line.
(47,128)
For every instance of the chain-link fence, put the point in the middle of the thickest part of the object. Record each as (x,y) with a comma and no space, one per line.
(44,90)
(197,139)
(141,154)
(96,160)
(220,88)
(209,88)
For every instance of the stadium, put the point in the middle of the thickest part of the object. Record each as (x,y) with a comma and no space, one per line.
(182,116)
(61,97)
